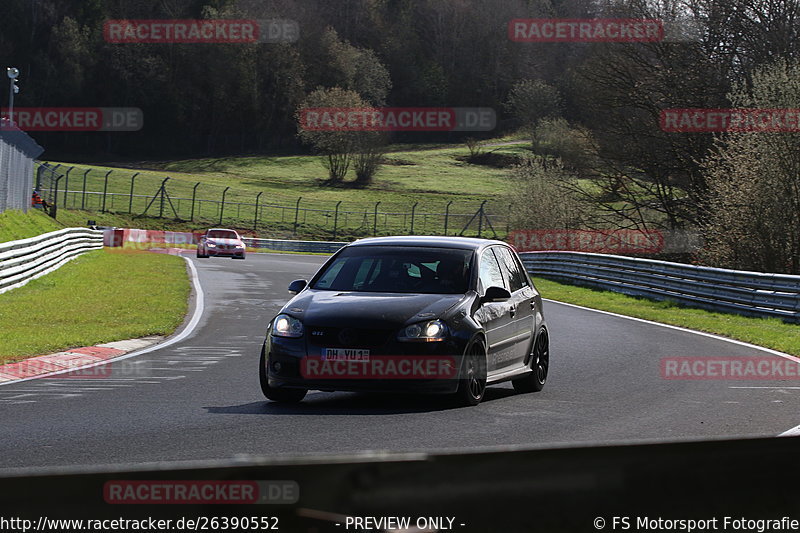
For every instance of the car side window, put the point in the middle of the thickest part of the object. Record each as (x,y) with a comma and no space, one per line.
(526,278)
(489,271)
(516,280)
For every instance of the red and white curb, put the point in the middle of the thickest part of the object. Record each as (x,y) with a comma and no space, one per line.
(60,362)
(65,363)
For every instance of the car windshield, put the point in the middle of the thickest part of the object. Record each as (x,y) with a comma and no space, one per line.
(222,234)
(403,270)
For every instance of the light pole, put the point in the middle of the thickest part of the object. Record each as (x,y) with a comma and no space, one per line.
(13,74)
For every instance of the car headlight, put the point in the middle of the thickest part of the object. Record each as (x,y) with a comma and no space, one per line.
(287,326)
(240,245)
(431,331)
(211,245)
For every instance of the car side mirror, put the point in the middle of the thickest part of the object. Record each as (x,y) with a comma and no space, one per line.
(297,285)
(495,295)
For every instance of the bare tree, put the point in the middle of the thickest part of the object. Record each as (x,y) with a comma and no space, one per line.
(370,149)
(542,197)
(337,146)
(752,220)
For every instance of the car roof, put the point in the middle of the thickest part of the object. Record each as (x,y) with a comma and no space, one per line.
(222,229)
(462,243)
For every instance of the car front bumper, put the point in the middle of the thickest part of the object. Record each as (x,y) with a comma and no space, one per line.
(394,367)
(219,252)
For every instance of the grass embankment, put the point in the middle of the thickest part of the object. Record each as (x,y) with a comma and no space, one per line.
(15,225)
(768,332)
(431,177)
(99,297)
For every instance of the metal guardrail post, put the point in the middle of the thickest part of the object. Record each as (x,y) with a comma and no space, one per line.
(375,220)
(54,207)
(255,219)
(105,190)
(130,199)
(83,197)
(480,218)
(194,196)
(163,194)
(296,214)
(66,184)
(222,205)
(336,218)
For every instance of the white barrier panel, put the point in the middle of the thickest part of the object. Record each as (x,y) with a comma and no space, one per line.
(27,259)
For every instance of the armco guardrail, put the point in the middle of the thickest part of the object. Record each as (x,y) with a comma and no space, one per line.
(27,259)
(120,236)
(717,289)
(325,247)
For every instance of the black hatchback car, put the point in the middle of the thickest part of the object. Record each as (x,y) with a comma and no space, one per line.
(445,315)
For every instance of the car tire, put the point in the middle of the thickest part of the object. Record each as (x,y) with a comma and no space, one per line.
(540,365)
(201,256)
(271,393)
(472,383)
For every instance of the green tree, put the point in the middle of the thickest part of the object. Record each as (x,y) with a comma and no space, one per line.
(532,100)
(355,69)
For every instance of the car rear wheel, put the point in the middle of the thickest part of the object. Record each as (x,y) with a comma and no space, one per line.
(540,365)
(472,385)
(271,393)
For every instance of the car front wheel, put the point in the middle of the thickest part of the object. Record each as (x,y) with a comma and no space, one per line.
(472,385)
(271,393)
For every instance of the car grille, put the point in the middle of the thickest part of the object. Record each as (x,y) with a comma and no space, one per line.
(348,337)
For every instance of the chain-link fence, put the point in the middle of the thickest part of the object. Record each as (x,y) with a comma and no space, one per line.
(17,154)
(143,194)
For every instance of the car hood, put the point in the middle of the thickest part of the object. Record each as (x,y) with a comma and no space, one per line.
(223,241)
(368,309)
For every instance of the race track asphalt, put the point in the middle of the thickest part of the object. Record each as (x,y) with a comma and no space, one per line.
(199,398)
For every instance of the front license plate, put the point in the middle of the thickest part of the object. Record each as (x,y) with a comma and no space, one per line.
(345,354)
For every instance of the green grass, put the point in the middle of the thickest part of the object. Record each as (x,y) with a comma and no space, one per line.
(15,225)
(101,296)
(768,332)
